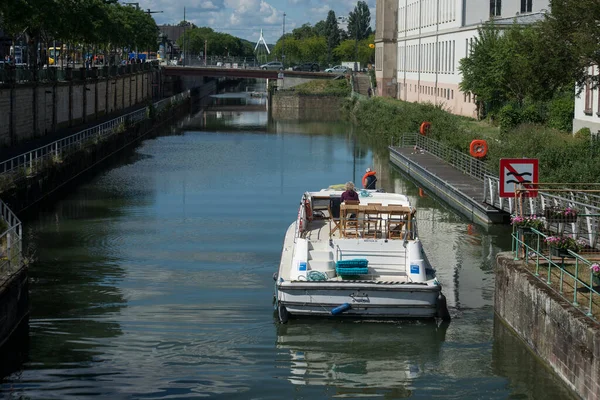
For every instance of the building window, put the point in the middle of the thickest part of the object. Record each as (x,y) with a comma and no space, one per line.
(588,96)
(495,8)
(526,6)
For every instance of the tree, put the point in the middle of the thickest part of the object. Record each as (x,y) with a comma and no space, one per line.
(359,26)
(574,29)
(303,32)
(359,22)
(332,33)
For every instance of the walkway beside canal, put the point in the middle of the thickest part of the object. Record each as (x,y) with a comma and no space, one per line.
(462,191)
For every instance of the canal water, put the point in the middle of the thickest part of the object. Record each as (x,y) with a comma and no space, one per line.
(153,280)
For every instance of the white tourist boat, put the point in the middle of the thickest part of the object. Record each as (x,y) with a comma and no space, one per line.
(356,259)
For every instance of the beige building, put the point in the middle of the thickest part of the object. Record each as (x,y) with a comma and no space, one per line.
(419,44)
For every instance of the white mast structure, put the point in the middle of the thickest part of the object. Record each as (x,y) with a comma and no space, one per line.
(259,50)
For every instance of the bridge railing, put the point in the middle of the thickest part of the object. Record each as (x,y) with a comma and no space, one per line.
(33,161)
(10,240)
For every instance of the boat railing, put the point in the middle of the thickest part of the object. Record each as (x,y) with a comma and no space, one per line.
(568,273)
(10,240)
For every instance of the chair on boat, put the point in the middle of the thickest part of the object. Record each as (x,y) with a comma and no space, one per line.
(396,221)
(372,219)
(349,218)
(334,214)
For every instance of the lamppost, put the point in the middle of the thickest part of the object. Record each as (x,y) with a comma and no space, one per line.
(283,43)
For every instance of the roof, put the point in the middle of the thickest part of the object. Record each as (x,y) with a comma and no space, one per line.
(522,19)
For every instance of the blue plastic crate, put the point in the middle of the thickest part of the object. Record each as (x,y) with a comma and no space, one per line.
(353,263)
(351,271)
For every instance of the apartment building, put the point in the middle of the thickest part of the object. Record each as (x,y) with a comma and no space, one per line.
(587,106)
(419,44)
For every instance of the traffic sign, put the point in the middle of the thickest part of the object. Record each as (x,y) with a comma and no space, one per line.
(514,171)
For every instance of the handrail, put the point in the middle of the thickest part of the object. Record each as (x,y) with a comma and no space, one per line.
(10,240)
(34,159)
(461,161)
(527,252)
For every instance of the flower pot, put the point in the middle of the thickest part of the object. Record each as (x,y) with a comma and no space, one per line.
(558,252)
(555,216)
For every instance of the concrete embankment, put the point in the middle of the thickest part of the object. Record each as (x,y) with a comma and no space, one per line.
(291,106)
(14,302)
(34,110)
(561,335)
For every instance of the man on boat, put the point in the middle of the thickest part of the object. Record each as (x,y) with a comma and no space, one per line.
(369,180)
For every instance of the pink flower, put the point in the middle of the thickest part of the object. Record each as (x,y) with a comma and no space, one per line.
(595,268)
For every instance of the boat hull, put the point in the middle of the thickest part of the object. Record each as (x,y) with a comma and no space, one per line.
(381,300)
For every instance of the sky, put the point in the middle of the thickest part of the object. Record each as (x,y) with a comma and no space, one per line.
(245,18)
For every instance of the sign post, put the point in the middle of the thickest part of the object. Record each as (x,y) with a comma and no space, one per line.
(515,171)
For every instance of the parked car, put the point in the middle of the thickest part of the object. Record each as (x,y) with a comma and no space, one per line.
(338,69)
(278,65)
(306,67)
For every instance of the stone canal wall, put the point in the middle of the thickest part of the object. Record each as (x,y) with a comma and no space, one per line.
(33,110)
(54,175)
(567,340)
(293,107)
(14,302)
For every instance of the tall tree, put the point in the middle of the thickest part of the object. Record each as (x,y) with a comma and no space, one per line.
(359,22)
(332,33)
(573,26)
(359,26)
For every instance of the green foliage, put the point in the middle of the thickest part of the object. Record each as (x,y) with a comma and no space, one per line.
(332,34)
(331,87)
(560,112)
(584,133)
(220,44)
(359,22)
(509,116)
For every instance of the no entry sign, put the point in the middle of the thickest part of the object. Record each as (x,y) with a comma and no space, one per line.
(514,171)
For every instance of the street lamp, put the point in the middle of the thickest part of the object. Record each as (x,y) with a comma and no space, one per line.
(283,43)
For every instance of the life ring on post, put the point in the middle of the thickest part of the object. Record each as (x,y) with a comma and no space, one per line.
(424,129)
(478,148)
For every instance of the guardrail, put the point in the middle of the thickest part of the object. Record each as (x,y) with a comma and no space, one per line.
(461,161)
(19,74)
(32,161)
(10,240)
(573,280)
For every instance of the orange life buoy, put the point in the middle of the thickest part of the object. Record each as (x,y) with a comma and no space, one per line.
(424,129)
(478,148)
(307,210)
(422,192)
(365,176)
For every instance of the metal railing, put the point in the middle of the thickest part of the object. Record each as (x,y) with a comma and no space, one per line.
(461,161)
(20,74)
(32,161)
(10,240)
(572,280)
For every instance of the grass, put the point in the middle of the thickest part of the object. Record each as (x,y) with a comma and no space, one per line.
(563,157)
(322,87)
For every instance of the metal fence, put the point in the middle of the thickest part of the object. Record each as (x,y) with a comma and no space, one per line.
(571,275)
(33,161)
(18,74)
(461,161)
(10,240)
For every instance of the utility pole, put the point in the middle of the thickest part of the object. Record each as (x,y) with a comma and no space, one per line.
(205,51)
(283,43)
(184,29)
(149,12)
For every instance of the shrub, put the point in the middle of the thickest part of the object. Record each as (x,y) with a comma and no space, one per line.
(534,113)
(509,117)
(560,112)
(583,133)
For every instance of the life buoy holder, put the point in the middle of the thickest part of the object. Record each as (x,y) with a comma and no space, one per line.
(424,129)
(478,148)
(365,176)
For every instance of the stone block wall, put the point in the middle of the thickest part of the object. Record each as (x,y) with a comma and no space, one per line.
(41,109)
(561,335)
(292,107)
